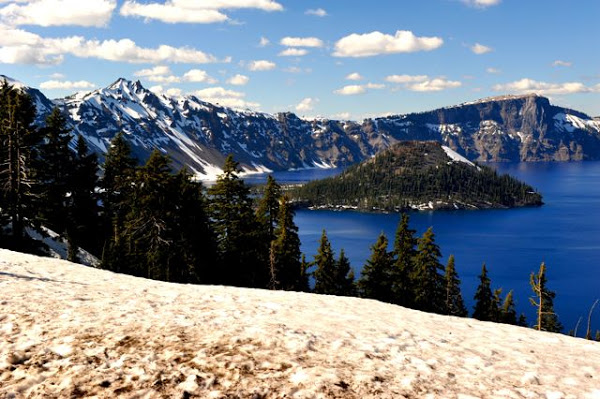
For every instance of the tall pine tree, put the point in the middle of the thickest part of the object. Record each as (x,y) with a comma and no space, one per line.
(268,207)
(427,278)
(543,300)
(404,254)
(325,272)
(455,305)
(484,301)
(286,269)
(376,276)
(344,276)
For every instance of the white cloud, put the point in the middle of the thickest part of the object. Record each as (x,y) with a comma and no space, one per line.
(261,65)
(377,43)
(193,11)
(224,97)
(156,71)
(436,84)
(406,78)
(307,104)
(264,42)
(198,75)
(544,88)
(22,47)
(293,52)
(351,90)
(493,71)
(57,76)
(354,76)
(318,12)
(170,79)
(301,42)
(376,86)
(481,3)
(342,115)
(560,63)
(58,12)
(172,92)
(66,85)
(238,80)
(479,49)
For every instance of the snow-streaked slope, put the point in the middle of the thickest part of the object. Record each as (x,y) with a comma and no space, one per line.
(455,156)
(69,330)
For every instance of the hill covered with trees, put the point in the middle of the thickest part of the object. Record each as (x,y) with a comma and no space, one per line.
(416,175)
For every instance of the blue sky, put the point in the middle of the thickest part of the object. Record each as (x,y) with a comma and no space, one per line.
(345,59)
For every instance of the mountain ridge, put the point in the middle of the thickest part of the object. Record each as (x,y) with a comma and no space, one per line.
(199,135)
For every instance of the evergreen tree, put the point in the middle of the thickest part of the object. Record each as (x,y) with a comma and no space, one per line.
(303,284)
(428,283)
(344,276)
(286,269)
(508,312)
(83,222)
(404,254)
(325,273)
(243,255)
(484,301)
(496,311)
(376,277)
(522,320)
(18,140)
(54,167)
(268,207)
(543,300)
(455,305)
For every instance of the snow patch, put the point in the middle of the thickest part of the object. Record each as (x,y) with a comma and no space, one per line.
(455,156)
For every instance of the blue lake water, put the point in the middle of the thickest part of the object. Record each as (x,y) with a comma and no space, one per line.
(564,233)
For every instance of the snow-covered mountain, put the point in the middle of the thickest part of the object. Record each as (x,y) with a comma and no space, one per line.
(68,330)
(199,135)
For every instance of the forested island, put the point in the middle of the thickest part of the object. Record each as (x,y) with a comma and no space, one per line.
(416,175)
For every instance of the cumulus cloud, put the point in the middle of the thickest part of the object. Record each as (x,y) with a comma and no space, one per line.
(172,92)
(352,90)
(21,47)
(318,12)
(169,79)
(307,104)
(193,11)
(481,3)
(479,49)
(436,84)
(58,12)
(264,42)
(224,97)
(66,85)
(301,42)
(544,88)
(493,71)
(198,76)
(261,65)
(354,76)
(561,63)
(238,80)
(156,71)
(377,43)
(406,78)
(293,52)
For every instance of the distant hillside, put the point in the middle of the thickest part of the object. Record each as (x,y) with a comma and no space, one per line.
(199,135)
(416,175)
(69,331)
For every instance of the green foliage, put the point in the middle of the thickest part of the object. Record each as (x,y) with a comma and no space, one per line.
(268,207)
(325,273)
(404,254)
(454,303)
(303,283)
(427,280)
(344,276)
(508,311)
(543,300)
(413,173)
(286,270)
(376,278)
(484,301)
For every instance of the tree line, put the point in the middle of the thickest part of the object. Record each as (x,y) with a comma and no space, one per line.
(148,221)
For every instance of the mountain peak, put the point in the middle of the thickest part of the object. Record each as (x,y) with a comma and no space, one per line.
(12,82)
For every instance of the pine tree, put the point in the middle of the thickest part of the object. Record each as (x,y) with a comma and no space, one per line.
(404,254)
(508,312)
(496,311)
(376,277)
(268,207)
(286,270)
(243,255)
(344,276)
(543,300)
(18,141)
(325,273)
(455,305)
(484,301)
(428,283)
(303,284)
(54,166)
(522,320)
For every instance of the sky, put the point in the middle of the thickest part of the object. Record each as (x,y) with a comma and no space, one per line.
(342,59)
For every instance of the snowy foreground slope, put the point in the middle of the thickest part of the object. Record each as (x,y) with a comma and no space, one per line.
(70,331)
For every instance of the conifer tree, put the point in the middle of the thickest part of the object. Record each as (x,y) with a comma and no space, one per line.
(268,207)
(455,305)
(484,301)
(344,276)
(325,273)
(243,255)
(54,166)
(18,141)
(543,300)
(376,277)
(286,268)
(522,320)
(303,284)
(428,282)
(404,254)
(496,310)
(508,312)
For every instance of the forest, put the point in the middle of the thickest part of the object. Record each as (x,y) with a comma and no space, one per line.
(150,221)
